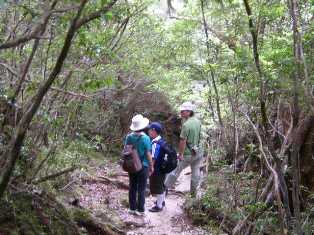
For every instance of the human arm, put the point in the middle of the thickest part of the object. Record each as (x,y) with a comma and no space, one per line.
(151,163)
(148,153)
(182,145)
(183,141)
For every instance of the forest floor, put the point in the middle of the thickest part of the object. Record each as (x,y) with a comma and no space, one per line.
(105,188)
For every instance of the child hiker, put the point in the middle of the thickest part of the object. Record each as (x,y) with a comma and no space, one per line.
(156,180)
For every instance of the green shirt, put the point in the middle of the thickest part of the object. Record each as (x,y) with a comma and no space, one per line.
(143,145)
(191,130)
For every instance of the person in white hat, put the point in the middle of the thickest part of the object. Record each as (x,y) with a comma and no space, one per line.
(188,151)
(138,180)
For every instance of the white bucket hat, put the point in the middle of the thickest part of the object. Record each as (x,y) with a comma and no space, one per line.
(187,106)
(139,123)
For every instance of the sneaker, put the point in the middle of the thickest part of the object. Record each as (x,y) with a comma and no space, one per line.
(155,209)
(163,203)
(132,212)
(140,213)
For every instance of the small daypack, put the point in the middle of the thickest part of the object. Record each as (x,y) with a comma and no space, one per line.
(168,154)
(130,159)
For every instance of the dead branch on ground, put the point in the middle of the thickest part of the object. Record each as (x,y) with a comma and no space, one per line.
(55,175)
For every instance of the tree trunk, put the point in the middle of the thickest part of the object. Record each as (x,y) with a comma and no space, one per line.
(297,77)
(266,137)
(212,74)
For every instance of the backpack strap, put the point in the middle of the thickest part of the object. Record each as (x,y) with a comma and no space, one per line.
(160,142)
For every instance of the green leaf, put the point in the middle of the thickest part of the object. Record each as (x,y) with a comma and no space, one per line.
(108,15)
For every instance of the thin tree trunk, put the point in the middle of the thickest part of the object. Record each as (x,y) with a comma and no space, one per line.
(297,45)
(266,136)
(25,70)
(212,75)
(257,63)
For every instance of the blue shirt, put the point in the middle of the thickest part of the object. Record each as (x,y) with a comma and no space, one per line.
(157,155)
(142,144)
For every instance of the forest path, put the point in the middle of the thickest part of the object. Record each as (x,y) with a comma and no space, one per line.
(107,192)
(172,220)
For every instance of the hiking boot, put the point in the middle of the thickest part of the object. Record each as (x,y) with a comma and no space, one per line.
(155,209)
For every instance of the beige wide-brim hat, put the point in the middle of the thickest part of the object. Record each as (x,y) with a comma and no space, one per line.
(187,106)
(139,123)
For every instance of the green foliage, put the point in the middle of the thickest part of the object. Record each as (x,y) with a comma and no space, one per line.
(253,208)
(25,213)
(251,150)
(132,41)
(210,200)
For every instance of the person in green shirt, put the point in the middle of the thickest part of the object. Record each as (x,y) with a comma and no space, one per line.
(188,151)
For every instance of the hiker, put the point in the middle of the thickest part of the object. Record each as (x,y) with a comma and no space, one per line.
(156,180)
(138,180)
(188,150)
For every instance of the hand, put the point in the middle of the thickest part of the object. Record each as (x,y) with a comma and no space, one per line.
(180,156)
(151,170)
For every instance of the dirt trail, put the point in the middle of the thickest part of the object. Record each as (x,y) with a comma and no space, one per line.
(172,219)
(103,196)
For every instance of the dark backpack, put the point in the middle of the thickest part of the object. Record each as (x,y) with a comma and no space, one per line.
(169,159)
(130,159)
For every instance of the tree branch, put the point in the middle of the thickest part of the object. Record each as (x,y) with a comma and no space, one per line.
(10,69)
(34,33)
(52,176)
(94,15)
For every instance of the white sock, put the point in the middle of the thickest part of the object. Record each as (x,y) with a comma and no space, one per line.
(160,199)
